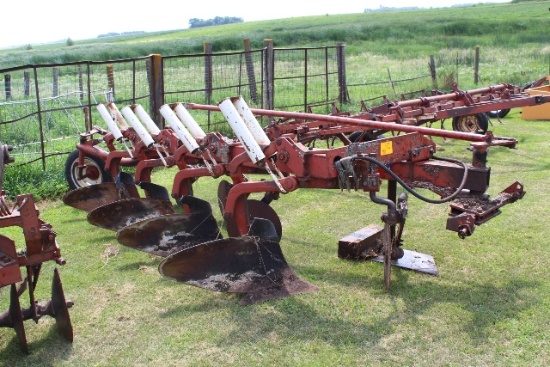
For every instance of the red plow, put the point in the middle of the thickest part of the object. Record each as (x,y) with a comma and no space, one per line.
(40,247)
(249,260)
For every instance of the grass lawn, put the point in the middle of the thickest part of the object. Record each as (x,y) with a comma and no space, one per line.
(490,305)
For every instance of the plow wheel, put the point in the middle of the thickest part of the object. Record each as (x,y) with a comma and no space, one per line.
(122,213)
(253,265)
(478,123)
(95,172)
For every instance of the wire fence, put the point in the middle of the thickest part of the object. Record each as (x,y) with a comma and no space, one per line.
(44,108)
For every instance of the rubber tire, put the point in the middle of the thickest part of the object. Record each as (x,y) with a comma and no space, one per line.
(498,113)
(71,171)
(478,123)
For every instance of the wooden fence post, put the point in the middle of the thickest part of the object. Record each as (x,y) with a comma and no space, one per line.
(208,72)
(26,83)
(155,77)
(39,114)
(250,71)
(343,95)
(269,81)
(55,91)
(433,72)
(111,80)
(80,83)
(7,86)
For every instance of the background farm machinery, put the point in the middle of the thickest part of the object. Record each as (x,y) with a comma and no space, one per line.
(250,260)
(40,247)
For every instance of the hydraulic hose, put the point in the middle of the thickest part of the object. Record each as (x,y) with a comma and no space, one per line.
(411,190)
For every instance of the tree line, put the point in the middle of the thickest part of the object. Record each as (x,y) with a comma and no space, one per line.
(197,23)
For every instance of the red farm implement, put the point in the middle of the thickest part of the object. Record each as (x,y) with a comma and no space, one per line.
(250,260)
(40,247)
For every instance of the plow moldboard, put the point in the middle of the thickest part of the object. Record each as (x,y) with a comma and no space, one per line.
(91,197)
(122,213)
(247,265)
(171,233)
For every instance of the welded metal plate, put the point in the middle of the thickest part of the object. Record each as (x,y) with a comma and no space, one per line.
(247,265)
(122,213)
(259,209)
(91,197)
(413,260)
(170,233)
(9,265)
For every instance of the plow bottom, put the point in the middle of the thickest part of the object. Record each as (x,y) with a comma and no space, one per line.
(122,213)
(91,197)
(251,265)
(168,234)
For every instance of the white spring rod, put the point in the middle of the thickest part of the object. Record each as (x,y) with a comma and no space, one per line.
(138,127)
(146,119)
(109,121)
(180,130)
(117,116)
(189,121)
(242,133)
(250,120)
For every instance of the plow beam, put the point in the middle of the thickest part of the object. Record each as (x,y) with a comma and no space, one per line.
(363,123)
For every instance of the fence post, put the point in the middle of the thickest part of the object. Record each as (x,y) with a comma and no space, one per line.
(433,72)
(111,80)
(155,78)
(250,71)
(7,86)
(39,114)
(80,83)
(55,91)
(26,83)
(343,95)
(208,71)
(476,67)
(268,75)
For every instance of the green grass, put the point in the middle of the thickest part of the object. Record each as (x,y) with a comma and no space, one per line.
(488,307)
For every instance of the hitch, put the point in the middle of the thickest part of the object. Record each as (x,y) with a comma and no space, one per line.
(467,212)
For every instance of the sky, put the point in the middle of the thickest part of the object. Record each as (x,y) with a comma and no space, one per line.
(37,22)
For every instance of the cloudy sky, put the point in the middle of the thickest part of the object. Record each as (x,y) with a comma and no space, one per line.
(56,20)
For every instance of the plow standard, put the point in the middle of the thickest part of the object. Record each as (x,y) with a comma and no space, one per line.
(249,260)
